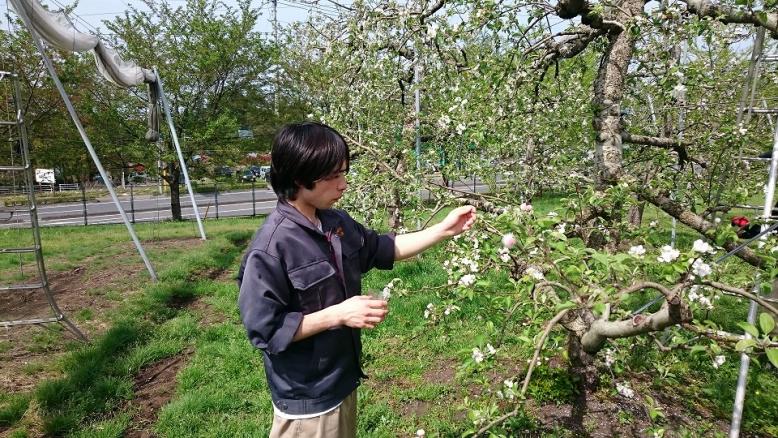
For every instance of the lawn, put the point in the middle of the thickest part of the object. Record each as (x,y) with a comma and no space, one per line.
(172,358)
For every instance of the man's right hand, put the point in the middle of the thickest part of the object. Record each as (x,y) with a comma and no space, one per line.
(362,311)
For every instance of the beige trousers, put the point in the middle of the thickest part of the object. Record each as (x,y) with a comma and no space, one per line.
(341,422)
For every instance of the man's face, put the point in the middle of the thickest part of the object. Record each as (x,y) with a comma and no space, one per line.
(327,190)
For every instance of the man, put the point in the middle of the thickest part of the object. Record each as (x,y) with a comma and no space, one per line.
(300,283)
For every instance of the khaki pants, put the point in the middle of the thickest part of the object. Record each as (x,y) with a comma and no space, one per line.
(341,422)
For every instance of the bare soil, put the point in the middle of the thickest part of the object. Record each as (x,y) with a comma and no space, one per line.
(27,352)
(154,387)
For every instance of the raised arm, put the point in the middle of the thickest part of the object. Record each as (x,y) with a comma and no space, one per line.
(458,220)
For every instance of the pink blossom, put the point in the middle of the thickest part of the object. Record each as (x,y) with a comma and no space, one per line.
(508,240)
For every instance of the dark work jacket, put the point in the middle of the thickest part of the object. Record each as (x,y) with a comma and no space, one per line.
(292,269)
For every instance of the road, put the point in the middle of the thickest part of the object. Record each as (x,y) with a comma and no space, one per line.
(157,208)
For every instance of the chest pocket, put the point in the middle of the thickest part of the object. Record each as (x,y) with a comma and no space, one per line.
(309,282)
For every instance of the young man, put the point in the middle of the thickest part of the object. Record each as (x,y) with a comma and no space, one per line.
(300,283)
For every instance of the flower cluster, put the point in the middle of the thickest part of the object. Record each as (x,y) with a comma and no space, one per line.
(695,296)
(510,390)
(386,293)
(668,254)
(624,389)
(479,355)
(463,265)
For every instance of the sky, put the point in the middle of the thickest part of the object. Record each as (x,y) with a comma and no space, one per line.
(89,14)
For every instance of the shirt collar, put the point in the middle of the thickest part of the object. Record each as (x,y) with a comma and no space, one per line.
(330,220)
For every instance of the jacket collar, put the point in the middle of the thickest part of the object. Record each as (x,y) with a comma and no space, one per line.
(330,220)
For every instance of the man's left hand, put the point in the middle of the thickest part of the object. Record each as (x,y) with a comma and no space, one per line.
(458,221)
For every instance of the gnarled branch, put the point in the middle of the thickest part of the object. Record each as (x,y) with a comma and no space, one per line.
(699,224)
(732,14)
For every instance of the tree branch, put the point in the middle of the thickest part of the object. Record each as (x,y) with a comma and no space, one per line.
(699,224)
(730,14)
(524,386)
(674,311)
(665,143)
(743,293)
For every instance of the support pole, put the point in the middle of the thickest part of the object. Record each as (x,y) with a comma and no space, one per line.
(174,136)
(73,115)
(740,392)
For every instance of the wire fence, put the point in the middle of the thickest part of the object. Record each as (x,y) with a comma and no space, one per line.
(77,204)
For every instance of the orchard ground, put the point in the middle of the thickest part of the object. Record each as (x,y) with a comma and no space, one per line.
(171,359)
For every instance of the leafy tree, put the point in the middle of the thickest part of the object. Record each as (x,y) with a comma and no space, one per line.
(592,100)
(214,68)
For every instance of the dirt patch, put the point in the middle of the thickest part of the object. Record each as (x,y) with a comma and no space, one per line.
(154,387)
(206,313)
(84,296)
(603,415)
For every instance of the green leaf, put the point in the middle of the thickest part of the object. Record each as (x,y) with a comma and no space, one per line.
(748,328)
(772,355)
(766,323)
(697,349)
(744,343)
(565,305)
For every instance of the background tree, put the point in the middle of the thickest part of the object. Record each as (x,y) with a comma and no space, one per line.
(213,65)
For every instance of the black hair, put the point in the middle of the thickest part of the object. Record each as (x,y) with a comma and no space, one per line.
(303,153)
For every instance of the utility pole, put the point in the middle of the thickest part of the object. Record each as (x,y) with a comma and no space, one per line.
(275,41)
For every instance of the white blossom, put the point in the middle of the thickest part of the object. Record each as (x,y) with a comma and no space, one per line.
(637,251)
(668,254)
(679,92)
(535,273)
(701,268)
(625,390)
(561,228)
(717,220)
(461,128)
(504,256)
(478,356)
(652,224)
(444,121)
(609,358)
(420,433)
(467,280)
(702,246)
(719,361)
(490,349)
(526,208)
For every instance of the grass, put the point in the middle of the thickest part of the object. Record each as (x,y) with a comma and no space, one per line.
(419,377)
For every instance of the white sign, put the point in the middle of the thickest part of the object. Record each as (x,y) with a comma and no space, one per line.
(44,176)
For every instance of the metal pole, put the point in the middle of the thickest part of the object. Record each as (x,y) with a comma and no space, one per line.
(174,136)
(132,202)
(83,203)
(69,105)
(216,198)
(740,393)
(275,72)
(253,199)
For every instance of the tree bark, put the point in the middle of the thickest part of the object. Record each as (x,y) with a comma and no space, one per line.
(699,224)
(635,215)
(608,94)
(172,178)
(395,209)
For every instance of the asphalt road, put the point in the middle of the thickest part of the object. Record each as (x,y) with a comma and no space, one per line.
(157,208)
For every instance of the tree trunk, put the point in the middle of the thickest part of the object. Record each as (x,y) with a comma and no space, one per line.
(395,209)
(636,214)
(172,178)
(608,94)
